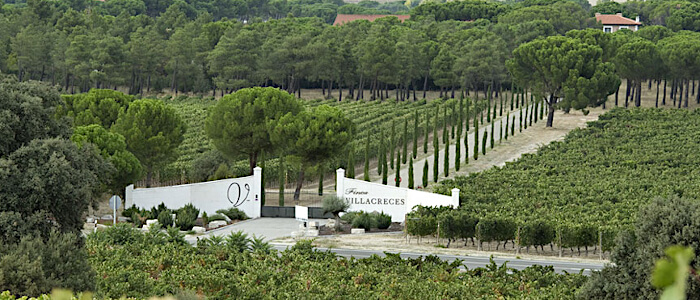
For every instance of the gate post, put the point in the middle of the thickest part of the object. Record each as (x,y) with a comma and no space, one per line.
(455,198)
(340,183)
(257,191)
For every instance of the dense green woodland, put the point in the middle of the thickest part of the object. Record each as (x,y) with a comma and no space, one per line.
(194,47)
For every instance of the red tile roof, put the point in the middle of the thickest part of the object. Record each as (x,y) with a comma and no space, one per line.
(616,19)
(342,19)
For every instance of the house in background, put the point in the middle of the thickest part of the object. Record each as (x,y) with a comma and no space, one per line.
(612,23)
(342,19)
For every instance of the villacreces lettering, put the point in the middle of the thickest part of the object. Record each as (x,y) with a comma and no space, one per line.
(376,201)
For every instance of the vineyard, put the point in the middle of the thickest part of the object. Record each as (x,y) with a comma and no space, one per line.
(129,263)
(373,119)
(579,192)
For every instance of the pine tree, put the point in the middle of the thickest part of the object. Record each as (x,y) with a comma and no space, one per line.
(483,142)
(410,172)
(397,179)
(392,146)
(415,135)
(425,132)
(446,161)
(476,139)
(493,124)
(366,170)
(425,174)
(281,180)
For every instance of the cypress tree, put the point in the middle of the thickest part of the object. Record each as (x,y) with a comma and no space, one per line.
(483,142)
(507,119)
(415,135)
(512,127)
(517,100)
(262,165)
(410,172)
(380,165)
(493,124)
(488,98)
(385,174)
(398,168)
(466,145)
(452,121)
(536,109)
(405,139)
(320,181)
(526,111)
(532,108)
(398,156)
(392,147)
(458,144)
(351,164)
(425,132)
(500,96)
(500,132)
(281,180)
(445,133)
(366,175)
(466,116)
(425,174)
(436,152)
(524,92)
(495,106)
(520,121)
(446,161)
(476,139)
(512,97)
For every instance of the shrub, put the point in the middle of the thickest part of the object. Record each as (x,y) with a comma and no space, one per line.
(233,213)
(349,217)
(334,205)
(363,220)
(222,172)
(216,217)
(165,218)
(383,220)
(186,217)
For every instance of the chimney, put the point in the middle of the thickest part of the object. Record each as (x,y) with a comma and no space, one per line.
(637,19)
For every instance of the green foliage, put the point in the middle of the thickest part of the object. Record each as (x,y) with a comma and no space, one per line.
(257,112)
(383,221)
(233,213)
(98,106)
(425,174)
(152,130)
(186,217)
(165,218)
(334,205)
(363,220)
(671,273)
(410,173)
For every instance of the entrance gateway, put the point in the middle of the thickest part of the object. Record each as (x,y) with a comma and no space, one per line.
(244,193)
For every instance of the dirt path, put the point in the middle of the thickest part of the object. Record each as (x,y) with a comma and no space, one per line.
(527,141)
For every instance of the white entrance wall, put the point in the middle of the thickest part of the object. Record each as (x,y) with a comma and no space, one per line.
(394,201)
(242,193)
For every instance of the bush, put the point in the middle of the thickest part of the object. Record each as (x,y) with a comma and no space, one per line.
(363,220)
(349,217)
(222,172)
(334,205)
(216,217)
(165,218)
(233,213)
(383,220)
(186,217)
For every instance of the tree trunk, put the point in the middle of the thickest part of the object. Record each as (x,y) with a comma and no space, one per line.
(550,113)
(638,101)
(425,84)
(663,98)
(627,93)
(687,89)
(680,92)
(300,182)
(149,176)
(252,161)
(658,82)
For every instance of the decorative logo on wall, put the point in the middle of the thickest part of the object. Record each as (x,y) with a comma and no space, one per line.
(236,192)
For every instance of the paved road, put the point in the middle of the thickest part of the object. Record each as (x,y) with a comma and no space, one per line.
(472,262)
